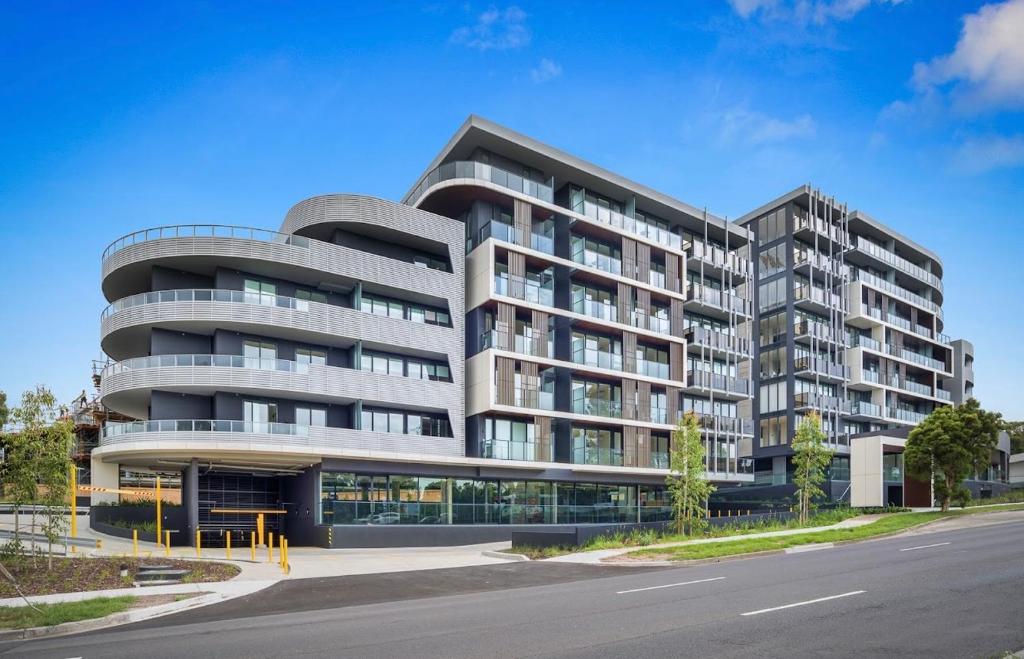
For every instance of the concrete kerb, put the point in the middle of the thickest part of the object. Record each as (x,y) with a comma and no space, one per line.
(134,615)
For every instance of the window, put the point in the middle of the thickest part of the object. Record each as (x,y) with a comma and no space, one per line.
(310,295)
(308,416)
(310,356)
(260,292)
(259,354)
(259,414)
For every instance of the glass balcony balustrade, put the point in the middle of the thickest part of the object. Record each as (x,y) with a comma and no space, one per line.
(898,291)
(597,358)
(509,234)
(503,449)
(658,324)
(652,369)
(524,345)
(896,261)
(659,460)
(467,169)
(631,225)
(533,398)
(593,259)
(593,455)
(717,340)
(726,383)
(524,289)
(204,231)
(207,295)
(864,408)
(597,407)
(601,310)
(217,361)
(112,430)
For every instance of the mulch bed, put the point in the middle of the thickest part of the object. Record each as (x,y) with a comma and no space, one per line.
(75,574)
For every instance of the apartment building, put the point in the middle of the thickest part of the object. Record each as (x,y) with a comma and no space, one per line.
(510,345)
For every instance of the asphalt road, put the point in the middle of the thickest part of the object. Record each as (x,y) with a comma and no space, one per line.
(956,593)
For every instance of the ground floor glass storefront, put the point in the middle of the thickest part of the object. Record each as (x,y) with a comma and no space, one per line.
(348,498)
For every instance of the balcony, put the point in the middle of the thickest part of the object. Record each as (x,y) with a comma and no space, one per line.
(898,291)
(509,234)
(805,223)
(707,297)
(463,169)
(531,398)
(606,311)
(822,367)
(218,361)
(942,394)
(809,258)
(718,258)
(524,345)
(597,359)
(111,431)
(597,407)
(524,289)
(806,400)
(601,262)
(859,341)
(818,297)
(700,336)
(908,416)
(718,382)
(652,369)
(592,455)
(659,460)
(864,408)
(898,262)
(204,231)
(503,449)
(659,415)
(818,330)
(714,423)
(628,224)
(916,357)
(650,322)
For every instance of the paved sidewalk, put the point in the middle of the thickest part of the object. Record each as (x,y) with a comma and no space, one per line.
(597,556)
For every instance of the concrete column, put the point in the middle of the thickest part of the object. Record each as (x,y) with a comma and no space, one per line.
(104,474)
(190,498)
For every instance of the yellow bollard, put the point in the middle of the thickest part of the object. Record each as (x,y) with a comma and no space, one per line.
(252,547)
(199,545)
(227,551)
(284,555)
(167,543)
(281,542)
(99,544)
(135,543)
(270,547)
(158,525)
(259,526)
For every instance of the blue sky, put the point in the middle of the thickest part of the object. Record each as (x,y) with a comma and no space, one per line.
(121,116)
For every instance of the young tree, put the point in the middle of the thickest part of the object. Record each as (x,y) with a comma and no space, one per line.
(1016,432)
(810,458)
(687,481)
(949,445)
(4,412)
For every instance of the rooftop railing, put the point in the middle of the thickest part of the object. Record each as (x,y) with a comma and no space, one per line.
(468,169)
(204,231)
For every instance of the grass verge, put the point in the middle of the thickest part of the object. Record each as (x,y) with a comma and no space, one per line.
(883,526)
(23,617)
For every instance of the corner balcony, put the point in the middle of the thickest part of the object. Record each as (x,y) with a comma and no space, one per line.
(524,289)
(524,345)
(818,299)
(865,411)
(470,171)
(266,442)
(126,324)
(717,261)
(806,226)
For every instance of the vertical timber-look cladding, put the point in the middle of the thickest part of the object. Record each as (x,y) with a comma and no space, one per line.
(625,303)
(677,363)
(643,262)
(643,400)
(672,403)
(629,269)
(629,453)
(542,428)
(506,371)
(531,384)
(629,399)
(523,218)
(517,275)
(629,352)
(672,271)
(506,326)
(676,325)
(643,447)
(539,322)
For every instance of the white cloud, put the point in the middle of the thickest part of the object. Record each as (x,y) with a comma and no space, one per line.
(742,126)
(495,29)
(986,69)
(546,70)
(818,12)
(981,154)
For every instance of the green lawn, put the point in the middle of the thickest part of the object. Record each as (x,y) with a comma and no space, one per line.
(883,526)
(21,617)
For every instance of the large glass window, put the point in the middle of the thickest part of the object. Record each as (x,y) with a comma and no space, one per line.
(260,414)
(310,356)
(310,416)
(260,292)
